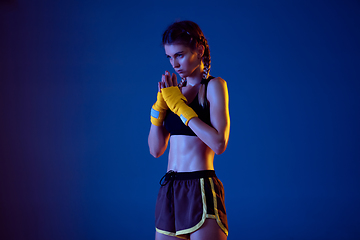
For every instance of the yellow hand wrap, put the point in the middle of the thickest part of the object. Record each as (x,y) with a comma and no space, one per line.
(177,104)
(158,111)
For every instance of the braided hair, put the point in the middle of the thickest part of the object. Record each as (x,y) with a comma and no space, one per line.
(189,34)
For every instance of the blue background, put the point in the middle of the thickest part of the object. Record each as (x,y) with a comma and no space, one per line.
(78,78)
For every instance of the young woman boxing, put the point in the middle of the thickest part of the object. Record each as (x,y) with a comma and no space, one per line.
(194,116)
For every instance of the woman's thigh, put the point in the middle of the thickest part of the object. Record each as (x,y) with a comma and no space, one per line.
(210,230)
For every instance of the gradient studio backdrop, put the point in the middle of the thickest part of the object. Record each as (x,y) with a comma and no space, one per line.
(78,79)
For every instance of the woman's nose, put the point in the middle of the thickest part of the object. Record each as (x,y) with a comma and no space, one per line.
(175,63)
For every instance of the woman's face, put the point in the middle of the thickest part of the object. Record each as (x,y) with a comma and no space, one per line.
(183,60)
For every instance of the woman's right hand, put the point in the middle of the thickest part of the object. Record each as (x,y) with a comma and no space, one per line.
(167,80)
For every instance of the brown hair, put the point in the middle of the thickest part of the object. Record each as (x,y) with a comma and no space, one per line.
(189,34)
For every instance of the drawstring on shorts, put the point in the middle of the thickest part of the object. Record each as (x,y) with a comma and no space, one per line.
(169,177)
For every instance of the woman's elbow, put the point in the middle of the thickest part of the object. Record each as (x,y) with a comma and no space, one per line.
(220,147)
(155,153)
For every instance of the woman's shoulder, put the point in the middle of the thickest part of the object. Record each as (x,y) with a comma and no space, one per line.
(217,88)
(217,82)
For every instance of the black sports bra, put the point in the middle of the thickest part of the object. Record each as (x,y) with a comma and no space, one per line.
(175,126)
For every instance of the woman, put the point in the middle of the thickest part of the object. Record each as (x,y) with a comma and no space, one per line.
(194,116)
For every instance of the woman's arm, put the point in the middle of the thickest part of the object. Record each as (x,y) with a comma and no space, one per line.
(215,137)
(158,137)
(158,140)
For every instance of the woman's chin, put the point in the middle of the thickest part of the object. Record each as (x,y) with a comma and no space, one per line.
(182,75)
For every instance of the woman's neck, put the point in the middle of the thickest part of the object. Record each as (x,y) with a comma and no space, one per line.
(192,82)
(196,76)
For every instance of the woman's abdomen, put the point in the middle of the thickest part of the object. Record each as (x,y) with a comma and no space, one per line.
(189,153)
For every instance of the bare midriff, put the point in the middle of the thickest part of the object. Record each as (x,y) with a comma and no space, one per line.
(188,154)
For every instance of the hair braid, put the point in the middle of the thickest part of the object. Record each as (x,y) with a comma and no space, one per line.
(207,64)
(182,83)
(206,59)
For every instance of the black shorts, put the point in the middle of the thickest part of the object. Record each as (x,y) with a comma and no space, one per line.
(186,199)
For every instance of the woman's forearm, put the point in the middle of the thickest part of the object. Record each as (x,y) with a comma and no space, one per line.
(158,140)
(214,139)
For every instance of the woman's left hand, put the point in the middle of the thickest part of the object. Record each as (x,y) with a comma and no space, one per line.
(168,81)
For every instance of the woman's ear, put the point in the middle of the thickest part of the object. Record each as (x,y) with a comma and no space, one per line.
(200,51)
